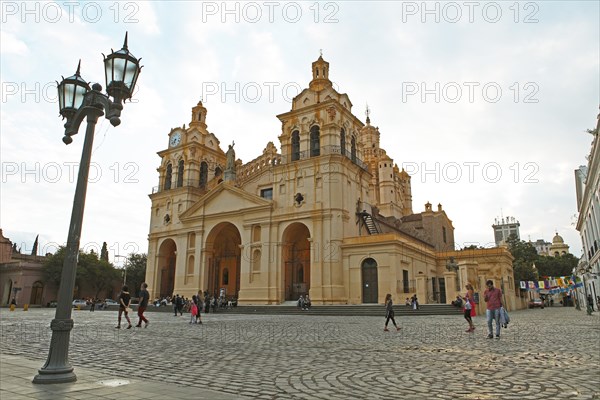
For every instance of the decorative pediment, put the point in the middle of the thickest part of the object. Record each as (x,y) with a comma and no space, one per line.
(224,200)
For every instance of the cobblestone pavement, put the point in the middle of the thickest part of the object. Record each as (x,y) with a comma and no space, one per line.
(552,353)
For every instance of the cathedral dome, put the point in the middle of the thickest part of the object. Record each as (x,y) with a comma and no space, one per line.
(557,239)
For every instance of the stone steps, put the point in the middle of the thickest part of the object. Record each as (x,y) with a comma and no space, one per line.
(372,310)
(376,310)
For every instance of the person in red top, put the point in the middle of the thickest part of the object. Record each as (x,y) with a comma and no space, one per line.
(493,298)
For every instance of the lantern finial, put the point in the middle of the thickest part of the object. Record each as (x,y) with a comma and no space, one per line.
(125,42)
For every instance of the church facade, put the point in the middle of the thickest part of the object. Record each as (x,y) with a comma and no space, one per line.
(329,215)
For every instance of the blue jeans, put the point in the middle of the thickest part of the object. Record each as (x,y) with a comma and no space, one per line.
(493,315)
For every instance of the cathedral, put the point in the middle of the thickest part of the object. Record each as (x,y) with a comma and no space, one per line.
(330,215)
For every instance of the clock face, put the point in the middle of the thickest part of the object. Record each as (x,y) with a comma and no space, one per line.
(175,139)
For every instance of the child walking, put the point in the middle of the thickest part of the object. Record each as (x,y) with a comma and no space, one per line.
(389,313)
(193,311)
(198,304)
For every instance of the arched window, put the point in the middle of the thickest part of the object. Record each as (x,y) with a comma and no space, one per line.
(315,149)
(218,172)
(203,174)
(353,149)
(343,142)
(295,145)
(225,276)
(168,176)
(180,173)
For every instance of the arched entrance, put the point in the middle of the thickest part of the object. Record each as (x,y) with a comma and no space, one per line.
(369,281)
(223,260)
(296,261)
(36,293)
(166,267)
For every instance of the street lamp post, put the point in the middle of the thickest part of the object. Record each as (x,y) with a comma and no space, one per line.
(78,101)
(124,269)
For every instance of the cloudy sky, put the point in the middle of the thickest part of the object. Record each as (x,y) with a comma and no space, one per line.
(485,104)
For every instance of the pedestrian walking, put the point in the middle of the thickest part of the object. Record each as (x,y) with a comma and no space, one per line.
(193,310)
(389,313)
(469,307)
(590,301)
(206,303)
(93,305)
(144,298)
(493,298)
(124,302)
(198,302)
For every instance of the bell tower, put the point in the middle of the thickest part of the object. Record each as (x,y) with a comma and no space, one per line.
(199,116)
(320,75)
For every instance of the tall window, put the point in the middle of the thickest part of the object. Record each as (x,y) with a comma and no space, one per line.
(405,282)
(168,176)
(444,233)
(180,173)
(295,145)
(343,142)
(315,137)
(203,174)
(353,149)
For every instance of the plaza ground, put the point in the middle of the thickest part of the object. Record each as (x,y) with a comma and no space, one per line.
(552,353)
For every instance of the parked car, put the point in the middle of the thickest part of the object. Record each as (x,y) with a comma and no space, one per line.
(535,303)
(79,303)
(111,302)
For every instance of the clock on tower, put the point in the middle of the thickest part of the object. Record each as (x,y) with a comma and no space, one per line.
(175,139)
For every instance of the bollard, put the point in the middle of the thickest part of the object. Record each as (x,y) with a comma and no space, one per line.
(78,308)
(12,307)
(25,307)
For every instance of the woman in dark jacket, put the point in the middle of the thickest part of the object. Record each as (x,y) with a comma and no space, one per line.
(389,313)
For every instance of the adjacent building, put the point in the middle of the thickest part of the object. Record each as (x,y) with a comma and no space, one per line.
(329,215)
(504,227)
(22,277)
(587,184)
(542,247)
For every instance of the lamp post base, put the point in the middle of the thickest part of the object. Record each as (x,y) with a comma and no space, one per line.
(57,368)
(58,375)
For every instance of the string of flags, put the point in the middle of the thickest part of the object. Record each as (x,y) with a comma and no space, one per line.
(553,285)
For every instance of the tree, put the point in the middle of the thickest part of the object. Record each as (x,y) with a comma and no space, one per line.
(35,246)
(525,256)
(556,266)
(53,266)
(98,274)
(136,272)
(104,252)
